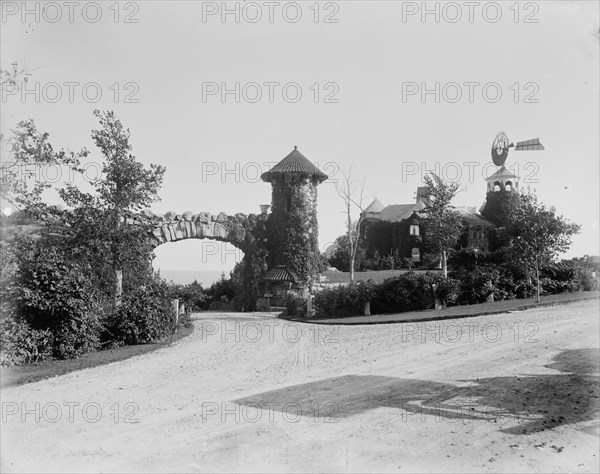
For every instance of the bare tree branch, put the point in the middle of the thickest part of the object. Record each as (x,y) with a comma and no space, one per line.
(353,196)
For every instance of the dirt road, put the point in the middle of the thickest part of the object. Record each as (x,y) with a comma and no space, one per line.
(514,392)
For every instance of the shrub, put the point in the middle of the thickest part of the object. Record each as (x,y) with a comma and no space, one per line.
(388,263)
(191,295)
(294,304)
(525,289)
(430,261)
(464,259)
(369,264)
(448,291)
(558,278)
(406,292)
(563,272)
(478,285)
(145,315)
(51,293)
(20,344)
(345,300)
(585,280)
(553,287)
(222,287)
(185,320)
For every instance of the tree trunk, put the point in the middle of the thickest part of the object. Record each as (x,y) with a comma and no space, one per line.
(117,266)
(350,242)
(118,286)
(537,281)
(444,264)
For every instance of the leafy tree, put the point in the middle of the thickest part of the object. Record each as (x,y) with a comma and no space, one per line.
(191,295)
(29,150)
(442,224)
(499,205)
(587,271)
(13,77)
(587,262)
(56,283)
(224,289)
(339,254)
(538,235)
(124,186)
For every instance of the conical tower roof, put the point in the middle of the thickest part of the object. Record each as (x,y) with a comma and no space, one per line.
(375,206)
(294,164)
(502,174)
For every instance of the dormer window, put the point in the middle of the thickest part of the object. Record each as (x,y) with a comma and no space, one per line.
(414,229)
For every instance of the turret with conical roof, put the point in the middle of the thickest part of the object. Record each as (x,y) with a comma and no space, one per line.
(375,207)
(294,164)
(293,227)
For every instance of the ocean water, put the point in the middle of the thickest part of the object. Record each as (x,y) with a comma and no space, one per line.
(206,277)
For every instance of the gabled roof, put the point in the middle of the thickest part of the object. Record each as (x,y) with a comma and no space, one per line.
(501,175)
(294,163)
(279,273)
(399,212)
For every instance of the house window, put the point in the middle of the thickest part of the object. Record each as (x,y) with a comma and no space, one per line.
(414,229)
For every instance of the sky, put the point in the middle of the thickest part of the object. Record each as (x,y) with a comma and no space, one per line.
(218,94)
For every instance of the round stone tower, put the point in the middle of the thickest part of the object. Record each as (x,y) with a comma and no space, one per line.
(293,230)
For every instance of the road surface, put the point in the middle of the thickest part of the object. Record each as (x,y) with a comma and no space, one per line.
(250,393)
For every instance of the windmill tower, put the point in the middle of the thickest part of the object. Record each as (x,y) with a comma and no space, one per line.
(503,179)
(503,185)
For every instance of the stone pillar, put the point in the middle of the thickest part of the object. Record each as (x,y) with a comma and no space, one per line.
(175,307)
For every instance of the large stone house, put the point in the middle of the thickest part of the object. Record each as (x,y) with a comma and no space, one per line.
(396,229)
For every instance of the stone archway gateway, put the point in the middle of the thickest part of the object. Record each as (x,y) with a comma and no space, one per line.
(238,230)
(280,248)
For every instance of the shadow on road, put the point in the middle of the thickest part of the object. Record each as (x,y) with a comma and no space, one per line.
(534,402)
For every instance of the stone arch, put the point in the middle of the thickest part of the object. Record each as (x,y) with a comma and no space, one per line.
(246,232)
(239,230)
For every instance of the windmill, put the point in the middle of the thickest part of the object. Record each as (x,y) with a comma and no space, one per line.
(501,146)
(502,178)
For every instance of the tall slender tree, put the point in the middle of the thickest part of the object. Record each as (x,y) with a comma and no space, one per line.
(124,185)
(442,224)
(352,192)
